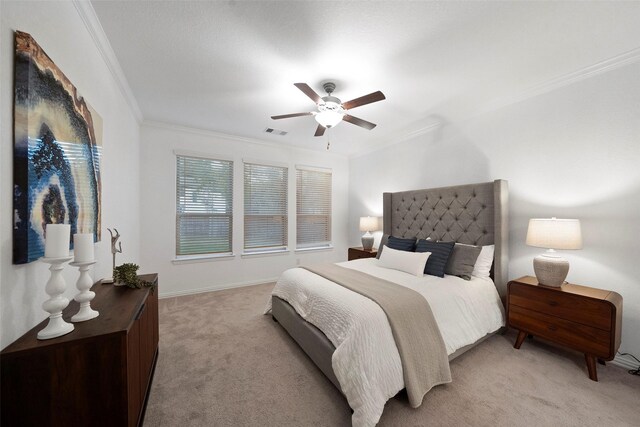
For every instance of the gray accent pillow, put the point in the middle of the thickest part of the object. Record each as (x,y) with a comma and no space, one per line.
(462,260)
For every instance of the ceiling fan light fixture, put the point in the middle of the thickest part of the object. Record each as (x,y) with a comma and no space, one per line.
(328,118)
(330,112)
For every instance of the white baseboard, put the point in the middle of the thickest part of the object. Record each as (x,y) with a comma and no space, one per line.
(213,288)
(625,362)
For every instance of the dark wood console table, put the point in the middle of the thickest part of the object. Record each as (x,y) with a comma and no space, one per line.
(98,375)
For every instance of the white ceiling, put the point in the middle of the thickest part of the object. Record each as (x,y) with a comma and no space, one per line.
(228,66)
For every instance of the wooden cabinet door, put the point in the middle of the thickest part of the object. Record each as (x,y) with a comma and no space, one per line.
(153,306)
(146,347)
(143,342)
(134,373)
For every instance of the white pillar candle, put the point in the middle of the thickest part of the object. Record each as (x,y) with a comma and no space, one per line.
(56,242)
(83,247)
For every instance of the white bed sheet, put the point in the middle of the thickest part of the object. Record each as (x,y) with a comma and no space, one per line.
(366,361)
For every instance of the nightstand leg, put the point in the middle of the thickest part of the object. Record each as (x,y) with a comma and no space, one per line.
(521,336)
(602,362)
(591,366)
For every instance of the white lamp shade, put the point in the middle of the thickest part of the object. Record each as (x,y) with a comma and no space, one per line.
(368,223)
(328,118)
(554,233)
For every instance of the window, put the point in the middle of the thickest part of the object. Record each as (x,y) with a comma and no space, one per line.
(313,208)
(265,207)
(204,206)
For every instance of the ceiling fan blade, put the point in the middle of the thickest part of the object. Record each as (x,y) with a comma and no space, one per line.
(320,130)
(287,116)
(358,122)
(309,92)
(363,100)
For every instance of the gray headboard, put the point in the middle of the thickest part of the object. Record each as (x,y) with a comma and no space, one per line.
(475,214)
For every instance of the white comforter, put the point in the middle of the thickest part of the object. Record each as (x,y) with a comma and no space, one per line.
(366,361)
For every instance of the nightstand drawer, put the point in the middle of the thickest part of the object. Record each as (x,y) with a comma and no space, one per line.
(358,253)
(586,311)
(580,337)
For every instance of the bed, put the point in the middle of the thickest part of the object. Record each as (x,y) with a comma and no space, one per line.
(360,359)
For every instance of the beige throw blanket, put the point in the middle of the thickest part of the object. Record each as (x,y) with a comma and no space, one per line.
(425,363)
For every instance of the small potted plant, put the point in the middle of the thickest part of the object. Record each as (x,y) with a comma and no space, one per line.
(127,275)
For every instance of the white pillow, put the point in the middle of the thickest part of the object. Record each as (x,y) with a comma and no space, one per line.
(409,262)
(482,267)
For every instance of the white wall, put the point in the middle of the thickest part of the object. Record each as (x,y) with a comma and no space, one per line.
(58,28)
(158,182)
(573,152)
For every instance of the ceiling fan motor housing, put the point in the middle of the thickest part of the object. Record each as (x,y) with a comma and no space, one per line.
(329,87)
(330,103)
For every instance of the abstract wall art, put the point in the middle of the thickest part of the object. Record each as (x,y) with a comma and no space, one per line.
(57,148)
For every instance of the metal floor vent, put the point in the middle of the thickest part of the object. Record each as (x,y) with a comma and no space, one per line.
(275,131)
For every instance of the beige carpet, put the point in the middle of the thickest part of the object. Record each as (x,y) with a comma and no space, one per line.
(222,363)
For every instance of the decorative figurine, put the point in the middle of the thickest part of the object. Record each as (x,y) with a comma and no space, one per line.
(114,251)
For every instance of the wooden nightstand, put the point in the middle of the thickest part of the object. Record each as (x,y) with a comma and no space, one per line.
(585,319)
(357,253)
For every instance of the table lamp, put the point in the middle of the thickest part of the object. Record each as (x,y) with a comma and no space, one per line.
(553,233)
(368,224)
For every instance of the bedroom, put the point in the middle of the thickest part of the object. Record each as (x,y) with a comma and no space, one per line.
(543,95)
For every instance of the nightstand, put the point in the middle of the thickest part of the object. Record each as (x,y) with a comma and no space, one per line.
(360,252)
(585,319)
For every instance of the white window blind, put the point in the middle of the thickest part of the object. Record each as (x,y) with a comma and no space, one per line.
(313,208)
(265,207)
(204,206)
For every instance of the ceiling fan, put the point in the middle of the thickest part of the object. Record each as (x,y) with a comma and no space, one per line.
(331,110)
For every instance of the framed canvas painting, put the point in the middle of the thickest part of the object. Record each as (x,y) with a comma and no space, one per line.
(57,147)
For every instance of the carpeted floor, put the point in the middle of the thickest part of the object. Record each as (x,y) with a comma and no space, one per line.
(223,363)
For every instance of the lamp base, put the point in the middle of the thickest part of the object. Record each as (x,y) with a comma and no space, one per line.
(367,241)
(550,270)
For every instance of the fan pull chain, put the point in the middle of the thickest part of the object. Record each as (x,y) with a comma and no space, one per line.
(328,143)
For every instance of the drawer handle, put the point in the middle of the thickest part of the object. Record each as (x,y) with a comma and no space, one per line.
(553,327)
(553,303)
(140,311)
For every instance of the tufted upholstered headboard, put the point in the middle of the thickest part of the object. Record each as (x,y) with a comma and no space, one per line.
(475,214)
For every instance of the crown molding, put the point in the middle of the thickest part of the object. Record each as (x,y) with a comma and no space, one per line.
(618,61)
(219,135)
(403,137)
(92,23)
(559,82)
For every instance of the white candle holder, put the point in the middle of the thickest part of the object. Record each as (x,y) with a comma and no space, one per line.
(85,296)
(56,303)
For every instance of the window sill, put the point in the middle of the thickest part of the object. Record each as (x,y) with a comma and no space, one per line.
(265,253)
(202,258)
(315,249)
